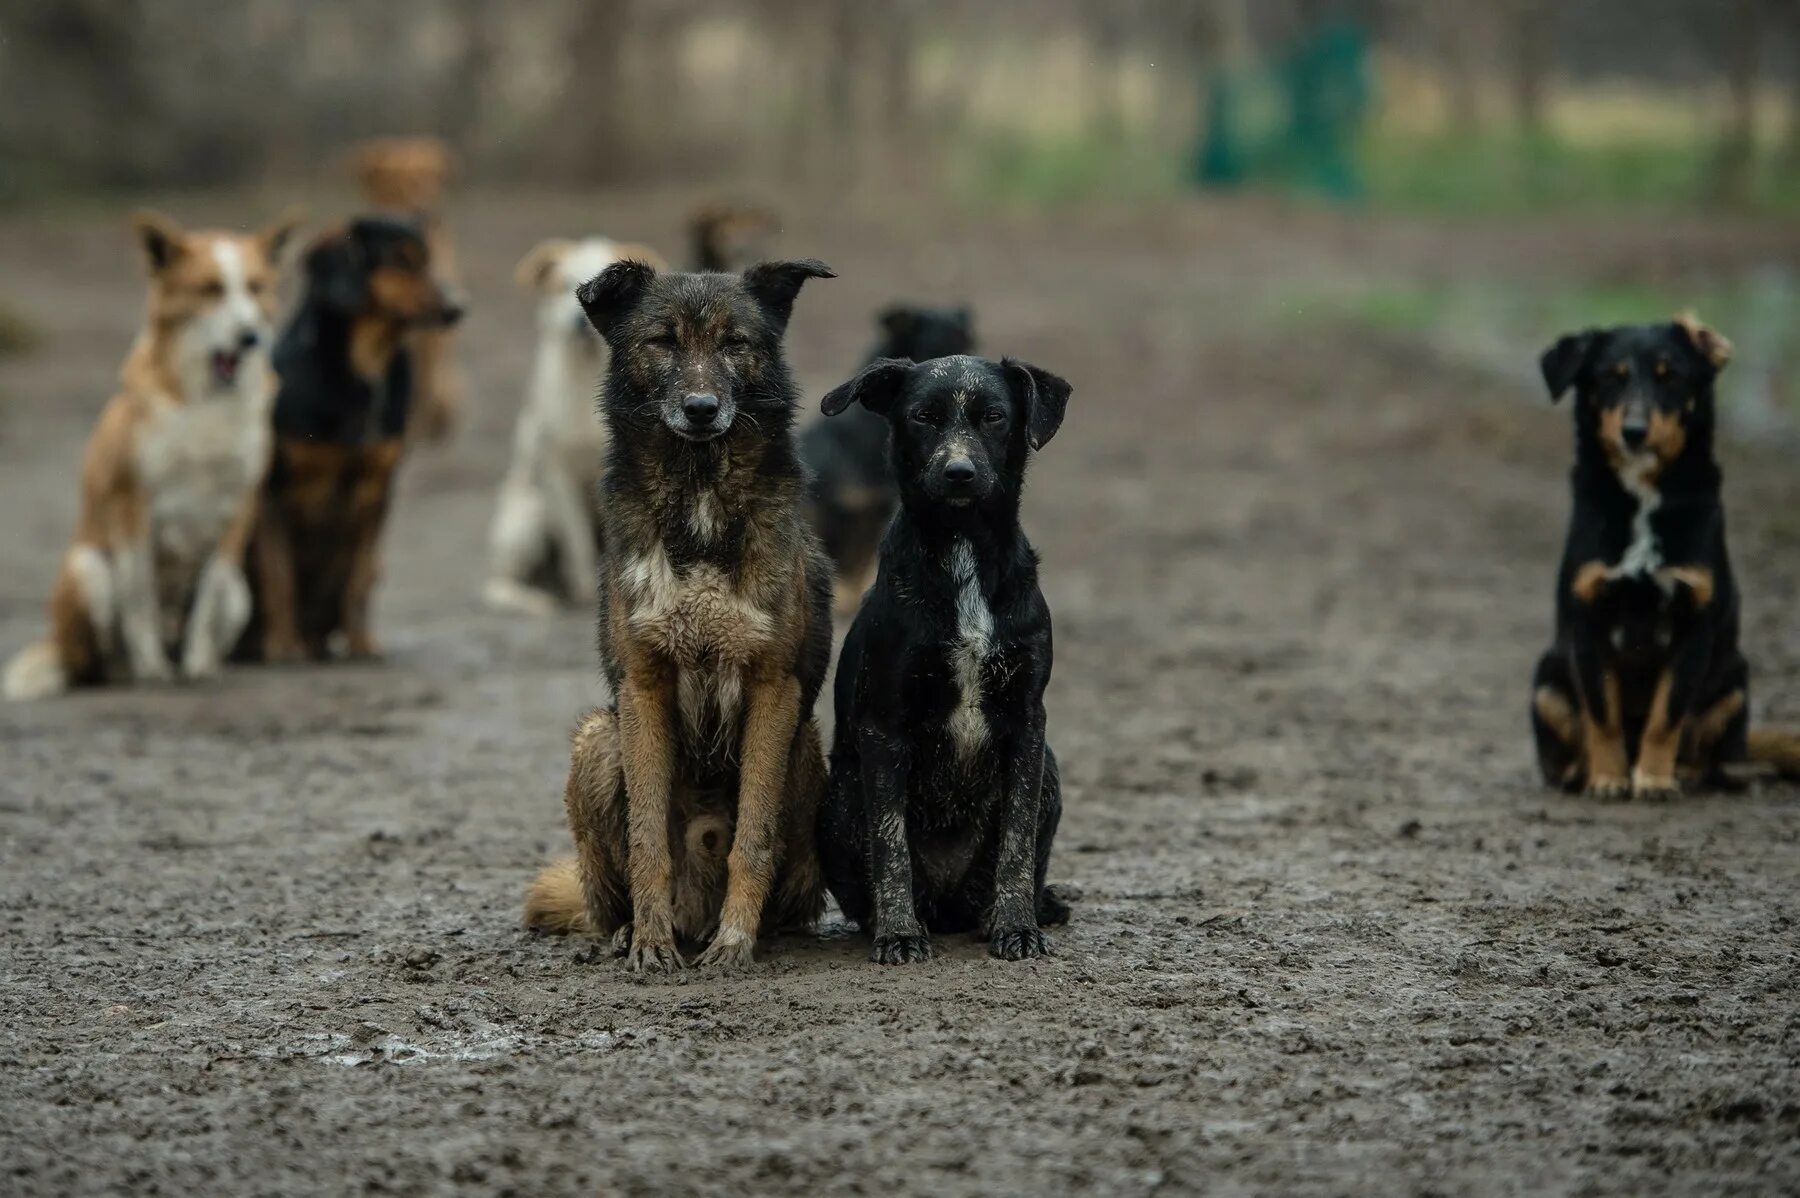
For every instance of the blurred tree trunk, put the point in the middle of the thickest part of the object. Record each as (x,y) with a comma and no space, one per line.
(592,142)
(464,92)
(1740,34)
(1530,37)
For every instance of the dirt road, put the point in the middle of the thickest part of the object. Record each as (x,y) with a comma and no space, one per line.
(1331,936)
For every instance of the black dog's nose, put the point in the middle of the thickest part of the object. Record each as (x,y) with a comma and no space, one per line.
(249,339)
(700,409)
(1634,435)
(959,470)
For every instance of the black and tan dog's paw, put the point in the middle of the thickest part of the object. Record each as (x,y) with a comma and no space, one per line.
(1654,787)
(901,950)
(1607,786)
(1018,944)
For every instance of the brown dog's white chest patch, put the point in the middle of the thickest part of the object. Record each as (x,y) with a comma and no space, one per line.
(694,615)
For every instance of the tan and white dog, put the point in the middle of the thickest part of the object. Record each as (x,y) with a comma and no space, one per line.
(545,532)
(153,582)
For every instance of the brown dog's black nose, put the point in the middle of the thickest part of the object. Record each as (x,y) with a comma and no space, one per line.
(1634,434)
(959,470)
(700,409)
(248,339)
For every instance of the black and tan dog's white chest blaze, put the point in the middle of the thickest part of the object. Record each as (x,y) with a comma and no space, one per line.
(691,799)
(1644,684)
(945,796)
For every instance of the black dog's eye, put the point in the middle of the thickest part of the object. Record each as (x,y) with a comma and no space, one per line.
(665,339)
(925,416)
(736,342)
(994,417)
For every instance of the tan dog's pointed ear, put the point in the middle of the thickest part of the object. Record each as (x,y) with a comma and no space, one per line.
(277,236)
(1712,346)
(534,269)
(635,251)
(161,238)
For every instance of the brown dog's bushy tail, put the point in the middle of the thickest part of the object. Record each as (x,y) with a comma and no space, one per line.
(1778,747)
(554,903)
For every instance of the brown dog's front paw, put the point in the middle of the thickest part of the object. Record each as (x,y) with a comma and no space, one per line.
(730,949)
(1607,786)
(1654,786)
(1018,944)
(901,950)
(652,952)
(282,651)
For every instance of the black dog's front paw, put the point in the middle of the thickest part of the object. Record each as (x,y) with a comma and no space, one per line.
(901,950)
(1018,944)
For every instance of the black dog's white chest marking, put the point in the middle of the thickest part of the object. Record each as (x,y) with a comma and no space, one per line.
(1643,556)
(969,651)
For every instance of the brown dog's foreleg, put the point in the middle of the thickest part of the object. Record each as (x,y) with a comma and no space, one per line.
(275,583)
(799,896)
(647,744)
(773,713)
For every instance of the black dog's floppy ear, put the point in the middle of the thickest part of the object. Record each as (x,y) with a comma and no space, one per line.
(1044,397)
(775,284)
(337,270)
(875,387)
(1711,345)
(1561,364)
(609,296)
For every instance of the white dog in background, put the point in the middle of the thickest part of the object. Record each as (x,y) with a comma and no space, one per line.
(545,533)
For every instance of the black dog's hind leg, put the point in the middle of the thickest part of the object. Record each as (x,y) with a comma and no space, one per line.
(843,845)
(1556,722)
(899,936)
(1051,910)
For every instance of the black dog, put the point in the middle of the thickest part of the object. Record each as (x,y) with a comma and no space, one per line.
(340,417)
(1645,675)
(944,796)
(853,492)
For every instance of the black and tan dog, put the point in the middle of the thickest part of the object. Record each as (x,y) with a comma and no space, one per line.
(944,796)
(715,630)
(340,421)
(1645,682)
(853,490)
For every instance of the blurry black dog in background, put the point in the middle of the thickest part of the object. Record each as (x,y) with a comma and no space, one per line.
(944,796)
(853,492)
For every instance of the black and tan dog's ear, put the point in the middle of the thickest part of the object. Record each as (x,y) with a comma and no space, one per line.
(1044,397)
(775,284)
(277,235)
(875,387)
(533,271)
(609,296)
(160,237)
(337,270)
(1712,345)
(1561,364)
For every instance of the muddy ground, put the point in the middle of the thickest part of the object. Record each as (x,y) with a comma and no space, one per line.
(1331,935)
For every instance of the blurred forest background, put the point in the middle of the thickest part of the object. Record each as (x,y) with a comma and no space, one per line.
(1487,105)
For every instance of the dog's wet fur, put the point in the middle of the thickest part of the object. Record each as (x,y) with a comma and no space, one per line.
(714,629)
(340,420)
(1644,684)
(944,795)
(853,490)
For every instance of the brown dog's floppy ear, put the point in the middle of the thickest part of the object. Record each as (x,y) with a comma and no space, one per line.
(875,387)
(609,296)
(1044,397)
(775,284)
(161,238)
(533,270)
(275,238)
(1561,364)
(1712,346)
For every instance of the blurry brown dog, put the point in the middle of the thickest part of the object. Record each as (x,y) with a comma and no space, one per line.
(729,237)
(340,421)
(405,176)
(153,581)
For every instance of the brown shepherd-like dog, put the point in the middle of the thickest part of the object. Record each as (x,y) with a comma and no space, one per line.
(692,799)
